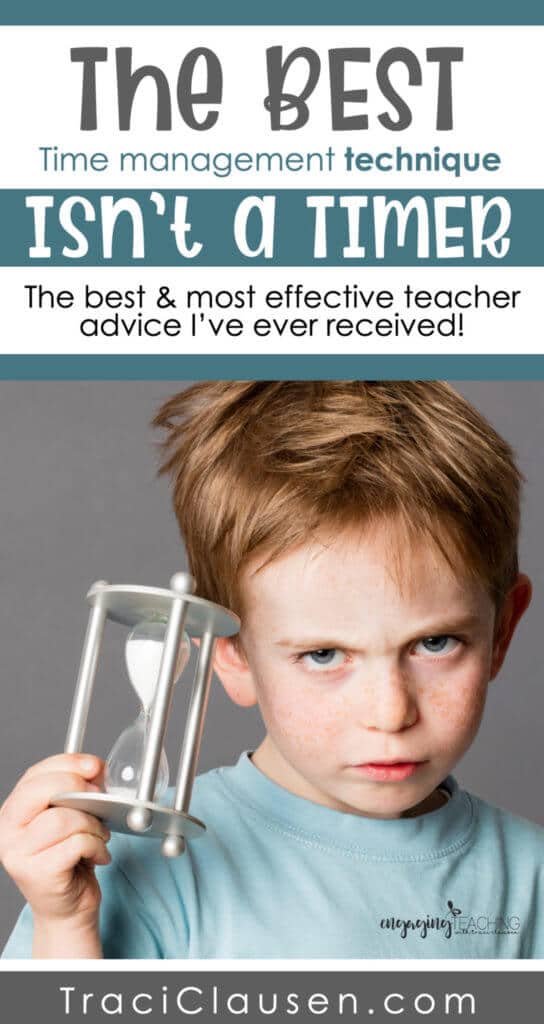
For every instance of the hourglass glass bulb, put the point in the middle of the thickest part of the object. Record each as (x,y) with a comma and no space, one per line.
(123,764)
(143,653)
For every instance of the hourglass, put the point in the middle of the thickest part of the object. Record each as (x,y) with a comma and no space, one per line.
(156,652)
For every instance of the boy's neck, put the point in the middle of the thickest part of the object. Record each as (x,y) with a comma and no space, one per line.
(432,802)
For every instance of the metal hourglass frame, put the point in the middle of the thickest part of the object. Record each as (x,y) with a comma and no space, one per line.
(184,612)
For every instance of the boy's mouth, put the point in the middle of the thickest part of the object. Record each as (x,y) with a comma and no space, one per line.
(389,771)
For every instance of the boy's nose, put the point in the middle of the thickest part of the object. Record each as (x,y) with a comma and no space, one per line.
(389,704)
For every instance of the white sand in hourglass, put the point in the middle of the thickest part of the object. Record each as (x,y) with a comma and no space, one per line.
(143,654)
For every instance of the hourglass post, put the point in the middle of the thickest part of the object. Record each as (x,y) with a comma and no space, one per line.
(173,845)
(195,723)
(86,675)
(139,818)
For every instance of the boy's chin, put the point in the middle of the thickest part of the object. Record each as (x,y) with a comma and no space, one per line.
(392,800)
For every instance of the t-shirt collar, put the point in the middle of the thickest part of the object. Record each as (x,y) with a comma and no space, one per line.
(425,837)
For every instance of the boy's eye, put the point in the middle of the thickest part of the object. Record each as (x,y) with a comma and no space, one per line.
(323,657)
(436,645)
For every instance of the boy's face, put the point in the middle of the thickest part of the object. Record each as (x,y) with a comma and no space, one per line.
(371,688)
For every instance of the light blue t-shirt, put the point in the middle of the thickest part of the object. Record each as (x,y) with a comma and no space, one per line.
(278,876)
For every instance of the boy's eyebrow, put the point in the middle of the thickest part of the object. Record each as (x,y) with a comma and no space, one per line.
(310,643)
(435,628)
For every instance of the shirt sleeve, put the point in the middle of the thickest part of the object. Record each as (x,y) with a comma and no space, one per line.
(533,946)
(19,944)
(127,928)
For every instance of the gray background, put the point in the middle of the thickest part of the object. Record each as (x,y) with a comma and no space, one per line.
(79,501)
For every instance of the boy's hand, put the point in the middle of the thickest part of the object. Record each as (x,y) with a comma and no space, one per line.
(51,852)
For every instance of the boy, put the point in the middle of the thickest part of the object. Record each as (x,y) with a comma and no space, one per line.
(366,533)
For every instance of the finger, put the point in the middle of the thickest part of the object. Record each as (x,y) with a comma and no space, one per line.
(31,797)
(87,765)
(65,855)
(56,824)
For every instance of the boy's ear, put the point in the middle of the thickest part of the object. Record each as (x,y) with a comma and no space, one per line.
(515,604)
(231,666)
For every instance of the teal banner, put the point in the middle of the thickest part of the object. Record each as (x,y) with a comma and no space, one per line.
(282,12)
(272,367)
(289,227)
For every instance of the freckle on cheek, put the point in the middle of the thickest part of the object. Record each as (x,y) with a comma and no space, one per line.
(302,722)
(461,705)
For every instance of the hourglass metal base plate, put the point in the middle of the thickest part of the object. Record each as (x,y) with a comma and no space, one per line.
(113,811)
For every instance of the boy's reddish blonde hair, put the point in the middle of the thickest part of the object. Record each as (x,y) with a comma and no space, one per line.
(260,467)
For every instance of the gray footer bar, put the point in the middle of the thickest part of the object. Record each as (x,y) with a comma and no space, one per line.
(488,997)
